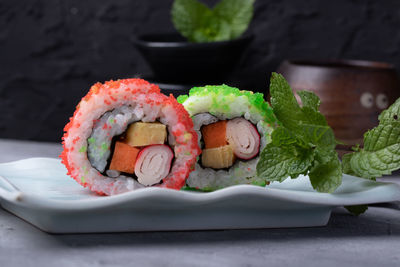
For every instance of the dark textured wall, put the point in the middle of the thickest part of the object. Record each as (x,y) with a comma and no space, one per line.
(52,51)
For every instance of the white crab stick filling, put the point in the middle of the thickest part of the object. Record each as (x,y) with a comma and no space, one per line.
(244,138)
(153,164)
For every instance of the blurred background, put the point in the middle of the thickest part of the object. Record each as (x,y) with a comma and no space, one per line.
(51,52)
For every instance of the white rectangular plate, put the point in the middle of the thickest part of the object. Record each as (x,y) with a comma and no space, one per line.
(39,191)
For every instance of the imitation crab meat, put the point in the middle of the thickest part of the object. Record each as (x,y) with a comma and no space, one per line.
(153,164)
(243,136)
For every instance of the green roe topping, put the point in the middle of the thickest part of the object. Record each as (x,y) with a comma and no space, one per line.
(182,98)
(225,93)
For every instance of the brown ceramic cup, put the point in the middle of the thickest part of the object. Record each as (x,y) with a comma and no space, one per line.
(353,93)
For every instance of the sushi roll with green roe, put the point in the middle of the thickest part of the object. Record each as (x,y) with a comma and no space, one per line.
(233,127)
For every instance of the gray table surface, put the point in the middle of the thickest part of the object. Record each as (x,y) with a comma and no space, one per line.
(372,239)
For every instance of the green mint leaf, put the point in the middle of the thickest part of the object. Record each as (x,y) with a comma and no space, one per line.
(356,210)
(326,176)
(346,166)
(380,155)
(318,135)
(304,143)
(284,103)
(282,136)
(286,108)
(392,114)
(301,163)
(374,163)
(188,16)
(311,116)
(198,23)
(324,155)
(306,122)
(237,13)
(213,29)
(279,162)
(309,100)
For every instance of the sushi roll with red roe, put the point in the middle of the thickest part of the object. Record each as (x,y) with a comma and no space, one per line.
(126,135)
(233,127)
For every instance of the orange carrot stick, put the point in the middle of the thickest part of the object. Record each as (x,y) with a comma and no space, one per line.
(124,158)
(214,134)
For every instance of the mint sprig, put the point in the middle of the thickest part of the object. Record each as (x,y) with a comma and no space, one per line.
(303,143)
(199,23)
(381,153)
(356,210)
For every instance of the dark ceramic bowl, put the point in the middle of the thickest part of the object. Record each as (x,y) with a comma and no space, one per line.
(174,60)
(171,88)
(353,93)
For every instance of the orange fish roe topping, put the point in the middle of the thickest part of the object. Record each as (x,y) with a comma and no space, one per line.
(76,139)
(95,89)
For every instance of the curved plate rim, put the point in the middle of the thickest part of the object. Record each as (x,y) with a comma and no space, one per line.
(381,192)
